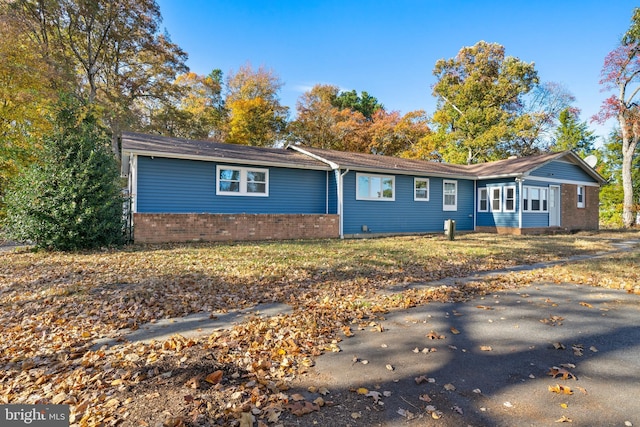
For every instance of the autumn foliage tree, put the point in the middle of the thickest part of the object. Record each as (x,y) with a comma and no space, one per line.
(621,72)
(110,53)
(25,98)
(327,119)
(255,115)
(479,95)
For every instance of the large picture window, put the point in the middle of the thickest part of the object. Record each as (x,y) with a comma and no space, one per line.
(449,195)
(534,199)
(241,181)
(421,189)
(375,187)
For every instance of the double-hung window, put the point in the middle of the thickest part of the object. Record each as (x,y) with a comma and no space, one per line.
(421,189)
(509,199)
(483,200)
(375,187)
(242,181)
(534,199)
(580,196)
(449,195)
(496,199)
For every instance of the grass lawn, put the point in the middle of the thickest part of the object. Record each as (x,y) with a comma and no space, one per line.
(54,305)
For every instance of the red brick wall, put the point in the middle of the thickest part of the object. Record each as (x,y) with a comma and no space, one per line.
(163,228)
(574,218)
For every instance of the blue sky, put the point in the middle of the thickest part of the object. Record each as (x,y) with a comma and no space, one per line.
(389,48)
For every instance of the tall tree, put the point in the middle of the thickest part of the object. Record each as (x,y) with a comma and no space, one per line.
(113,47)
(479,95)
(364,103)
(537,119)
(323,122)
(196,109)
(621,72)
(25,98)
(572,134)
(256,116)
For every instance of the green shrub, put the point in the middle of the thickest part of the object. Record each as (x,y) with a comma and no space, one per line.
(71,198)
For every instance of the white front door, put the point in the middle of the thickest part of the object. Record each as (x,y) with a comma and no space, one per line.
(554,206)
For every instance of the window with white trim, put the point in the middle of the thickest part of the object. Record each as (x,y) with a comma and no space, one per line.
(581,196)
(241,181)
(496,199)
(483,200)
(534,199)
(375,187)
(509,199)
(421,189)
(449,195)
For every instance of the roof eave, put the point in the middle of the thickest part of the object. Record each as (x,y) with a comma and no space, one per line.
(151,153)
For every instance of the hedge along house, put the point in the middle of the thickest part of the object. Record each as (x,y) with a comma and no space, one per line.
(185,190)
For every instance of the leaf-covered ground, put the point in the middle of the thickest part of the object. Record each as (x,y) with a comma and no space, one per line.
(54,305)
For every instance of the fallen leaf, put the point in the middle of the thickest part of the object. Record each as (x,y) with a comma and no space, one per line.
(302,408)
(319,401)
(435,336)
(425,398)
(485,348)
(297,397)
(214,377)
(593,349)
(193,382)
(555,371)
(246,419)
(559,346)
(449,387)
(564,405)
(560,389)
(389,368)
(458,410)
(484,307)
(564,419)
(454,331)
(408,415)
(356,415)
(362,391)
(323,391)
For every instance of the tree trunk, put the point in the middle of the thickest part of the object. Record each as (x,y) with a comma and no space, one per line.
(629,143)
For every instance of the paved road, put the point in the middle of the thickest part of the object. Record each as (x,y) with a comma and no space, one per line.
(493,371)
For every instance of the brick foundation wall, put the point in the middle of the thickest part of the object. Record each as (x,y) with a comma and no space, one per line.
(165,228)
(574,218)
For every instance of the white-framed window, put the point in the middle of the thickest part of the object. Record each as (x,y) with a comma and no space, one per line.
(509,199)
(421,189)
(449,195)
(241,181)
(581,196)
(483,200)
(534,199)
(375,187)
(496,199)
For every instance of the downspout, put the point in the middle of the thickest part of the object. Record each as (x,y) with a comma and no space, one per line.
(341,201)
(475,204)
(520,180)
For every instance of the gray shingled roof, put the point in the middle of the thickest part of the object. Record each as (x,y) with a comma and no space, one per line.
(371,162)
(162,146)
(317,158)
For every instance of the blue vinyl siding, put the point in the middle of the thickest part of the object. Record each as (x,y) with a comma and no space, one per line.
(499,219)
(536,219)
(563,171)
(188,186)
(404,215)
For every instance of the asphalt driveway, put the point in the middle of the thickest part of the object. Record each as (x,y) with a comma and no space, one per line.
(487,362)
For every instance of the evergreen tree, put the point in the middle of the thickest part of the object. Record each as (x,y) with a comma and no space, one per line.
(573,135)
(70,199)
